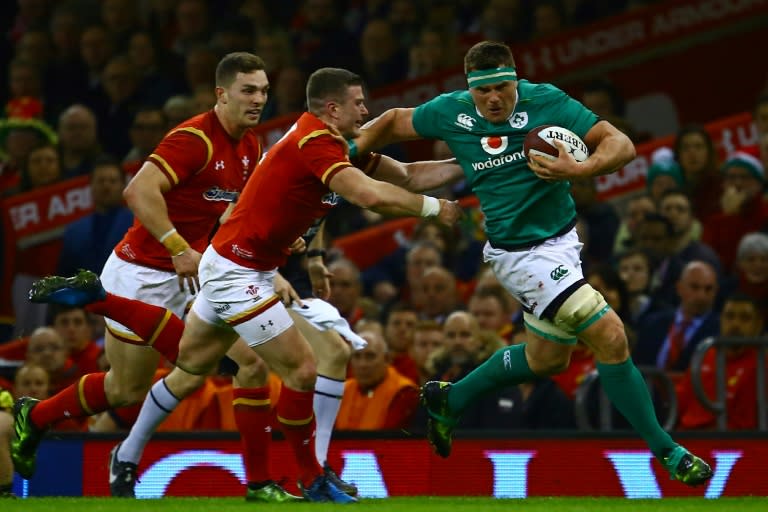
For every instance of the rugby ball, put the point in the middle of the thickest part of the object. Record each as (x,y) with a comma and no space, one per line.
(540,141)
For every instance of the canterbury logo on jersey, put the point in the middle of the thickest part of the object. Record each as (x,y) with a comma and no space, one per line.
(219,194)
(465,121)
(559,273)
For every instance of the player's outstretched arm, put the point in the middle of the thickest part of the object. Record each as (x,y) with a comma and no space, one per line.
(385,198)
(394,125)
(417,176)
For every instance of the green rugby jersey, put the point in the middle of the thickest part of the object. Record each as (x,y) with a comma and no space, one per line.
(518,206)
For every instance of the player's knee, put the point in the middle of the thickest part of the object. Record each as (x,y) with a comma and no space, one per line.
(187,384)
(122,393)
(253,374)
(609,341)
(337,353)
(303,376)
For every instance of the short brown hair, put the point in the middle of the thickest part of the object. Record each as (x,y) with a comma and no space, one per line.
(488,55)
(237,62)
(329,83)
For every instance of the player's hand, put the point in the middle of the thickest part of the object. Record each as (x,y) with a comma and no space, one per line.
(285,291)
(186,265)
(320,278)
(299,246)
(450,212)
(565,167)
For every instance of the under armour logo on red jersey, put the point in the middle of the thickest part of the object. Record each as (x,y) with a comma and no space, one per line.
(219,165)
(245,161)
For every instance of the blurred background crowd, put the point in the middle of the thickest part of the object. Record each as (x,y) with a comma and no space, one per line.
(91,87)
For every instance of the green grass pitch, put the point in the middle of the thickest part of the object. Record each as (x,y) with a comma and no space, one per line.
(420,504)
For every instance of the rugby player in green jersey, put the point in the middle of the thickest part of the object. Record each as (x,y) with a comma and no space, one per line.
(532,243)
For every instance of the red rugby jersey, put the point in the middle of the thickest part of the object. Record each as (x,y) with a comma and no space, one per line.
(287,192)
(207,169)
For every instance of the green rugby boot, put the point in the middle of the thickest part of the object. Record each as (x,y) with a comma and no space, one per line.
(271,493)
(28,436)
(686,467)
(81,289)
(440,423)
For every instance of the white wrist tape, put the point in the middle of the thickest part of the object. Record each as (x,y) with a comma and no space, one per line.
(167,234)
(430,207)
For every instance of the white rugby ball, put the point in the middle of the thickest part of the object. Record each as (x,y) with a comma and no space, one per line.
(540,141)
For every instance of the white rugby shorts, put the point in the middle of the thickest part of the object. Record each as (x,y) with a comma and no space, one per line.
(156,287)
(535,276)
(241,298)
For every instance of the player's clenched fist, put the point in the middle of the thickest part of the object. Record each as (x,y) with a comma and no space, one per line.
(450,212)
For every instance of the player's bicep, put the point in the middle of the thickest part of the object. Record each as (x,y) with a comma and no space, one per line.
(149,178)
(599,131)
(354,186)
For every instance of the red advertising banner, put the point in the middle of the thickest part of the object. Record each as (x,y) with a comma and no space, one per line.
(38,214)
(488,467)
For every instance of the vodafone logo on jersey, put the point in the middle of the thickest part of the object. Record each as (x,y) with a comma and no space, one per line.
(494,145)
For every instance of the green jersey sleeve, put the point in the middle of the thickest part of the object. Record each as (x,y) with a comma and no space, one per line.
(428,117)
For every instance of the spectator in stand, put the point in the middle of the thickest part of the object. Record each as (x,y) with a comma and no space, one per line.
(118,103)
(88,241)
(695,152)
(155,71)
(662,176)
(427,338)
(346,289)
(494,308)
(741,317)
(384,62)
(199,66)
(147,130)
(751,278)
(193,19)
(121,18)
(231,33)
(178,109)
(434,50)
(656,236)
(399,330)
(35,47)
(289,96)
(675,205)
(441,295)
(96,49)
(405,17)
(25,80)
(274,47)
(744,209)
(599,216)
(203,98)
(377,397)
(602,97)
(465,347)
(48,349)
(18,137)
(502,20)
(637,208)
(42,168)
(66,78)
(669,337)
(72,324)
(78,140)
(634,267)
(548,19)
(318,36)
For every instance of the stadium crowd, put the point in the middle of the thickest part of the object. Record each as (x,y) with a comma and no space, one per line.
(93,86)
